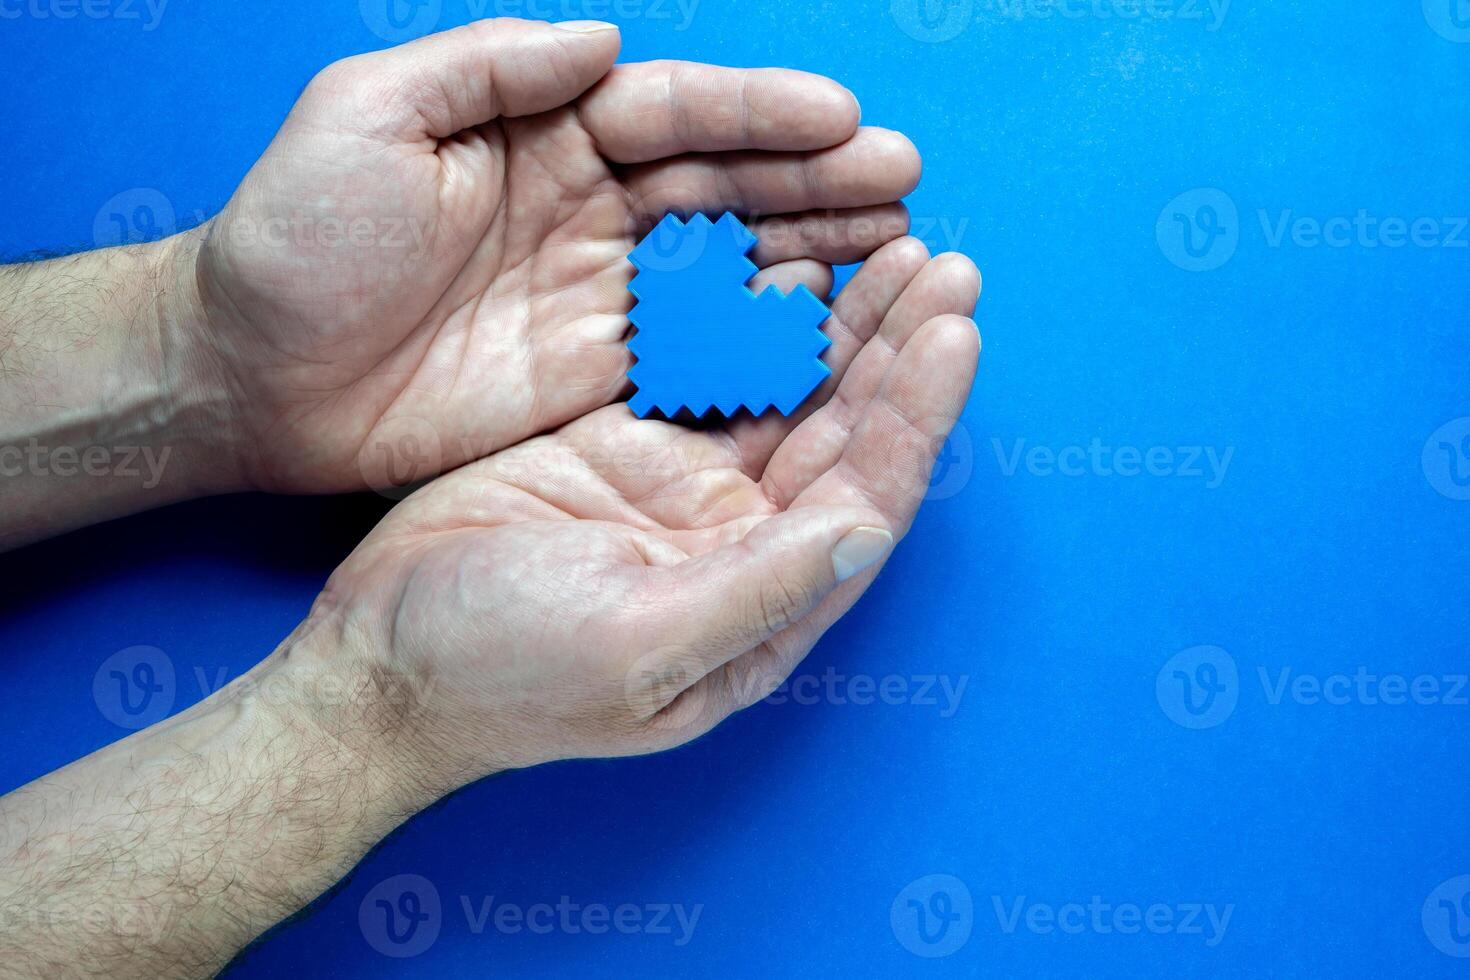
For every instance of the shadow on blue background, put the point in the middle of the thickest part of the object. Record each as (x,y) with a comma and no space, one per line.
(1134,188)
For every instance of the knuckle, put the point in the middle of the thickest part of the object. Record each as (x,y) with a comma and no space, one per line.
(780,599)
(337,78)
(694,712)
(755,684)
(361,88)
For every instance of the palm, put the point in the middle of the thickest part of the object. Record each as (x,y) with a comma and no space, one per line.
(464,287)
(424,322)
(569,512)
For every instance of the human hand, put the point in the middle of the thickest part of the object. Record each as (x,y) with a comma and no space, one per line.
(428,262)
(619,586)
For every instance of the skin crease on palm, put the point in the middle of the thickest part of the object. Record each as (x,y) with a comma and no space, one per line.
(504,171)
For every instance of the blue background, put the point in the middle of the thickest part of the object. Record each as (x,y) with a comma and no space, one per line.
(1053,149)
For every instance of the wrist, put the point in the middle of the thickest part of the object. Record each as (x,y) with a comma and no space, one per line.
(107,405)
(326,687)
(322,786)
(203,407)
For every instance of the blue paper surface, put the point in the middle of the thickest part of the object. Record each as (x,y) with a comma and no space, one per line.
(1212,481)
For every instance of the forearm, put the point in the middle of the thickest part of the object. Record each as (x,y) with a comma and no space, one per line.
(106,401)
(166,853)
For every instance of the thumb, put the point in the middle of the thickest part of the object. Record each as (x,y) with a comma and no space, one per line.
(736,598)
(443,83)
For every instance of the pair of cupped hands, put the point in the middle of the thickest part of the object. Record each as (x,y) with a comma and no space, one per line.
(576,581)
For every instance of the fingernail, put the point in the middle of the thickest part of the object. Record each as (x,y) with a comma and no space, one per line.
(860,549)
(586,26)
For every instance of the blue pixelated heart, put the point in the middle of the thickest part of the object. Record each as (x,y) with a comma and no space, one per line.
(704,340)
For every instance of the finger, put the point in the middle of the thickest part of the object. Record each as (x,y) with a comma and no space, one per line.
(876,166)
(947,284)
(865,301)
(724,603)
(786,276)
(447,82)
(838,237)
(887,460)
(887,466)
(657,109)
(856,315)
